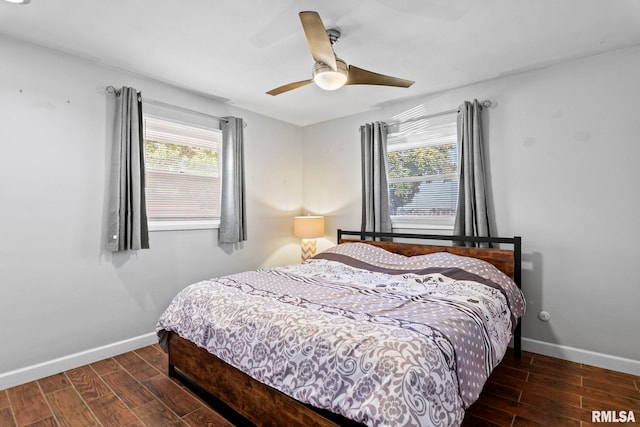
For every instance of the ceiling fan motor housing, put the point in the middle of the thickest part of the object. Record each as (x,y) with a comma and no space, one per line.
(328,79)
(334,35)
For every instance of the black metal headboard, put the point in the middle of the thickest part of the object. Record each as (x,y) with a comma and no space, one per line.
(516,241)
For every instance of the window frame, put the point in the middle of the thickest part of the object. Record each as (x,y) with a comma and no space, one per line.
(177,223)
(423,222)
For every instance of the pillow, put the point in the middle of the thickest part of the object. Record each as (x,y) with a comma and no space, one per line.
(379,257)
(375,258)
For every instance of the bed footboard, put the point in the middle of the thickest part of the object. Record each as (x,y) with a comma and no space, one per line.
(238,397)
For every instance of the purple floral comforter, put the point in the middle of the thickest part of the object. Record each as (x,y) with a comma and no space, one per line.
(377,337)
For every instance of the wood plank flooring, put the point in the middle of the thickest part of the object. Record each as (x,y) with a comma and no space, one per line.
(538,390)
(133,389)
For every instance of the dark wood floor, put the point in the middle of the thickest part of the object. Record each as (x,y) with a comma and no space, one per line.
(538,390)
(133,390)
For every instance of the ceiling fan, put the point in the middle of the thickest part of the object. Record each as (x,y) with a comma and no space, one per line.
(329,71)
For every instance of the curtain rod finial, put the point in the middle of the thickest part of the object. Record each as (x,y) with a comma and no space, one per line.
(111,89)
(489,103)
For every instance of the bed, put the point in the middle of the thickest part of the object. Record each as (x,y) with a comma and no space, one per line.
(369,332)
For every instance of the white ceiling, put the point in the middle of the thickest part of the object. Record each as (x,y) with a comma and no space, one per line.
(239,49)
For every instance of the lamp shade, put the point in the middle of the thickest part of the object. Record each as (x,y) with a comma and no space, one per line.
(328,79)
(308,227)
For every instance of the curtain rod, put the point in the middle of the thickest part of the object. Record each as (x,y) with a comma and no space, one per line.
(111,89)
(484,104)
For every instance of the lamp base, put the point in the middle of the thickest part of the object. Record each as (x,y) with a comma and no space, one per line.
(307,249)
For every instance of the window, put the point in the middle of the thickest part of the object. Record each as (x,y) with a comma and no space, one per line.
(423,172)
(182,171)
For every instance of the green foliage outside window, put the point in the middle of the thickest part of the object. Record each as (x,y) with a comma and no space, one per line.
(178,158)
(417,162)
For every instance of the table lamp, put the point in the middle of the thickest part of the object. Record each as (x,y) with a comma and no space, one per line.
(308,228)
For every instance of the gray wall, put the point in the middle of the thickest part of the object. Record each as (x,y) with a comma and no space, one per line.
(61,292)
(563,147)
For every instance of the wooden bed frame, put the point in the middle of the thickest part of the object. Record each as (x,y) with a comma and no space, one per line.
(247,402)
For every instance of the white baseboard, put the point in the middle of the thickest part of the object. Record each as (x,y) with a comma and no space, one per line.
(587,357)
(45,369)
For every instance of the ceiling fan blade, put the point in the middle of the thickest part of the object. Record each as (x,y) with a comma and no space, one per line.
(359,76)
(288,87)
(317,38)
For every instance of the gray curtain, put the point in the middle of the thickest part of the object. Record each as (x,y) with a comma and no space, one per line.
(127,228)
(233,227)
(472,216)
(375,191)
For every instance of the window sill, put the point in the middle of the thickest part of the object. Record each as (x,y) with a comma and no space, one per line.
(175,225)
(422,223)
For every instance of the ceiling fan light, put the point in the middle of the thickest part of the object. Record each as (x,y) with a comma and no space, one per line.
(328,79)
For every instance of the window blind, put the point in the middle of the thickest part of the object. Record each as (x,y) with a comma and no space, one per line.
(423,165)
(181,170)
